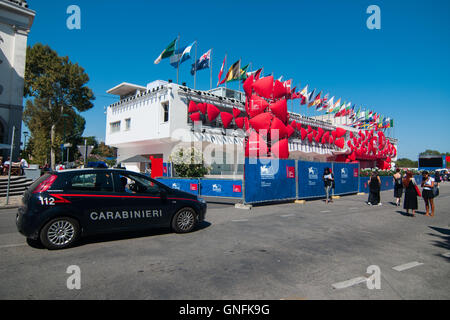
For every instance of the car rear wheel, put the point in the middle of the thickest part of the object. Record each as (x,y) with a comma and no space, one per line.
(60,233)
(184,220)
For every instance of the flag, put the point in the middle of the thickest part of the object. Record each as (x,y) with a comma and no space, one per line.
(243,74)
(255,74)
(233,73)
(310,96)
(221,69)
(181,55)
(167,51)
(203,62)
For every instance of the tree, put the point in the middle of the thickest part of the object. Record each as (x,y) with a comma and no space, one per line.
(56,87)
(430,152)
(406,163)
(188,163)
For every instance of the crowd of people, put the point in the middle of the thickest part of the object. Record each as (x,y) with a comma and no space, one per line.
(405,184)
(20,165)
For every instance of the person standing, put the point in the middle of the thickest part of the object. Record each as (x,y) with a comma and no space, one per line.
(328,183)
(374,187)
(410,193)
(398,186)
(428,184)
(438,180)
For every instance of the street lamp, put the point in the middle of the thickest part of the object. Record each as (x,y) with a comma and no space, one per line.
(25,133)
(65,115)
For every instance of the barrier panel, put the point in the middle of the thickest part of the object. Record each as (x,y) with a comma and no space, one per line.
(387,183)
(183,184)
(269,180)
(222,188)
(310,181)
(346,177)
(167,169)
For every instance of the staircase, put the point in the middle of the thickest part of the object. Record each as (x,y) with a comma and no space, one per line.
(17,186)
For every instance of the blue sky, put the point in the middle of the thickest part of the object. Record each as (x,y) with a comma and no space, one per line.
(401,71)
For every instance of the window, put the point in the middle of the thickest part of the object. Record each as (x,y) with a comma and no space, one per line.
(131,183)
(127,124)
(165,111)
(115,126)
(99,181)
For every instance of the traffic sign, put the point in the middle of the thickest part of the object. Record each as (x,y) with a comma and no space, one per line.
(83,150)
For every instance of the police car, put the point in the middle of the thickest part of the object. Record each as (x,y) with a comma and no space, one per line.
(60,207)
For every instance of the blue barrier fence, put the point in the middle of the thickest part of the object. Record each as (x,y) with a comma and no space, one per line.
(219,188)
(310,183)
(269,180)
(283,180)
(387,183)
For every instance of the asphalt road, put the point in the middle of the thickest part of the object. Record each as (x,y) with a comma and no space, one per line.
(284,251)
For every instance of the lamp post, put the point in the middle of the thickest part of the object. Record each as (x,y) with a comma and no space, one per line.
(65,115)
(25,133)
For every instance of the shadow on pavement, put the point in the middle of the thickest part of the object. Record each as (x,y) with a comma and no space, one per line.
(123,235)
(403,213)
(442,239)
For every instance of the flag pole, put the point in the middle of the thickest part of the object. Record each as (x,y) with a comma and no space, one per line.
(178,64)
(210,71)
(195,64)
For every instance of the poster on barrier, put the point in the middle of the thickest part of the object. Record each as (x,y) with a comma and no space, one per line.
(221,188)
(186,185)
(269,180)
(346,176)
(310,181)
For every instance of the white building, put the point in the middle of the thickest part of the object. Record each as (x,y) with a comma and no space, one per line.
(152,120)
(15,24)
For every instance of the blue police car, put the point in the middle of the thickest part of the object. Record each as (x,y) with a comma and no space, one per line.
(60,207)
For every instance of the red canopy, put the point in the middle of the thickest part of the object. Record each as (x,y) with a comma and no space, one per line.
(257,106)
(248,85)
(279,109)
(261,122)
(202,107)
(239,122)
(236,112)
(279,90)
(213,112)
(195,116)
(281,149)
(277,129)
(226,119)
(192,107)
(264,87)
(340,132)
(256,146)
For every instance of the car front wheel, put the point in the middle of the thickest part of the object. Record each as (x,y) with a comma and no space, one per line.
(184,220)
(59,233)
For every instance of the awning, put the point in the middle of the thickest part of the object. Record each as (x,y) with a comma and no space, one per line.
(137,158)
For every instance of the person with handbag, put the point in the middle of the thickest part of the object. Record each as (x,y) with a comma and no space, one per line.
(428,193)
(410,185)
(374,189)
(398,187)
(328,181)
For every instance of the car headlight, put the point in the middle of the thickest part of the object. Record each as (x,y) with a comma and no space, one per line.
(201,200)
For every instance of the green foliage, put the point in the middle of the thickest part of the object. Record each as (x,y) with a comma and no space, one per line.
(430,152)
(188,162)
(406,163)
(55,87)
